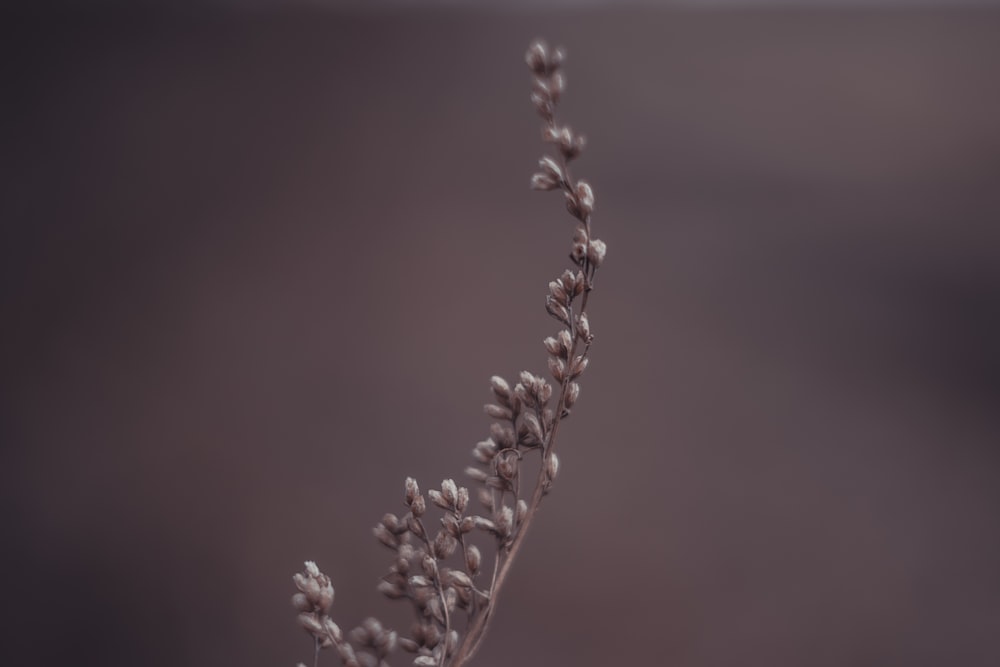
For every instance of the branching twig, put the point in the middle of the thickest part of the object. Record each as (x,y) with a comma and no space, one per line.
(527,421)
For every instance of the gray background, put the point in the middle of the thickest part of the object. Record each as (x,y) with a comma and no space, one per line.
(258,267)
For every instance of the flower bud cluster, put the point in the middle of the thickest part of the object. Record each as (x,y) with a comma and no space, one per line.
(312,601)
(421,571)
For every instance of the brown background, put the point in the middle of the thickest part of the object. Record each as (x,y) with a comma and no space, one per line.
(257,268)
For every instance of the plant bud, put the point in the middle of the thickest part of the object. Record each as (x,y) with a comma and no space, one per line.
(311,624)
(484,524)
(301,603)
(558,292)
(390,590)
(418,507)
(551,168)
(597,252)
(332,630)
(414,525)
(572,393)
(505,521)
(473,558)
(537,57)
(498,412)
(522,510)
(557,310)
(583,328)
(506,468)
(485,450)
(459,578)
(565,340)
(412,490)
(552,466)
(430,566)
(556,58)
(543,182)
(486,499)
(477,474)
(500,387)
(438,499)
(383,535)
(585,198)
(449,490)
(502,435)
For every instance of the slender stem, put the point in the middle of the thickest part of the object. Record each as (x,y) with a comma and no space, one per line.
(507,552)
(440,590)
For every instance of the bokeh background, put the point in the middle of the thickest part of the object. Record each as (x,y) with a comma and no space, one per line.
(259,261)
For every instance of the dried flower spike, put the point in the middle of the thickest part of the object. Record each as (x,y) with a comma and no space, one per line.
(435,566)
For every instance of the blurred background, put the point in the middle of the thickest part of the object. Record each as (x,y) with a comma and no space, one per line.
(259,261)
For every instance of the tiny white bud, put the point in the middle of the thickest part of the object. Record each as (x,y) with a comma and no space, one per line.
(311,624)
(565,339)
(558,369)
(537,57)
(551,168)
(498,412)
(500,386)
(552,466)
(543,182)
(583,327)
(598,250)
(572,393)
(552,346)
(505,520)
(585,198)
(459,578)
(449,490)
(477,474)
(412,490)
(438,499)
(473,558)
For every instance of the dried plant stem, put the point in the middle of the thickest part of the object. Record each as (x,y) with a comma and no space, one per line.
(477,631)
(527,420)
